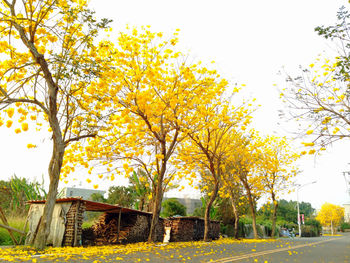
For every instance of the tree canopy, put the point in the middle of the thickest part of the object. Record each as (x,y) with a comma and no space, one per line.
(330,215)
(172,207)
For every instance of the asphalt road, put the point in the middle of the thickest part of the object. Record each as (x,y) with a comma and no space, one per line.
(308,250)
(305,250)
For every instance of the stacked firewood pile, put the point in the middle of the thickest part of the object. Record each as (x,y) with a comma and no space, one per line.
(214,232)
(88,237)
(139,231)
(182,229)
(190,228)
(106,229)
(160,230)
(74,221)
(198,233)
(133,228)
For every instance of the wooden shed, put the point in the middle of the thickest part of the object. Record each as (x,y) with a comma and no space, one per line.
(188,228)
(117,224)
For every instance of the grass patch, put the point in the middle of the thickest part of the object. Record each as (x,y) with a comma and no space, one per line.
(19,222)
(90,218)
(15,222)
(87,224)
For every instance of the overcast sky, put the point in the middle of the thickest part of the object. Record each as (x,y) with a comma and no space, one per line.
(250,41)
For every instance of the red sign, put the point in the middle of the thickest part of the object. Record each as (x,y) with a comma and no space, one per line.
(302,218)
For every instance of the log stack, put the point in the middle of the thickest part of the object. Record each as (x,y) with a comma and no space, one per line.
(182,229)
(139,230)
(133,228)
(106,229)
(198,233)
(160,230)
(214,232)
(190,228)
(74,221)
(88,236)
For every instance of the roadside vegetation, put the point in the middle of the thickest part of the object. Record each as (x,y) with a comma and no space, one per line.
(16,209)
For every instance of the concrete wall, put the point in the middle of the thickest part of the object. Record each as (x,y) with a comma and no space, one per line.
(58,223)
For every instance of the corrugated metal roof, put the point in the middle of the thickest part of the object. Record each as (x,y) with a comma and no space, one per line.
(95,206)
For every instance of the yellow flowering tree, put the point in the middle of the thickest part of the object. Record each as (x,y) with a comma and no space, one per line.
(319,97)
(246,154)
(330,215)
(48,60)
(156,93)
(233,189)
(276,167)
(208,145)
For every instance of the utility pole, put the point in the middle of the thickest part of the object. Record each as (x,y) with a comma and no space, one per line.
(298,188)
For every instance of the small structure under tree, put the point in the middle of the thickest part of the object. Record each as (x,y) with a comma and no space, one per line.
(116,225)
(189,228)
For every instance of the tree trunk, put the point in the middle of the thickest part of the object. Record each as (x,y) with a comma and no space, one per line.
(58,143)
(157,199)
(207,211)
(332,227)
(156,206)
(236,215)
(54,173)
(274,216)
(141,203)
(252,210)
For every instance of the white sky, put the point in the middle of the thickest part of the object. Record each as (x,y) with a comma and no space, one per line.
(250,41)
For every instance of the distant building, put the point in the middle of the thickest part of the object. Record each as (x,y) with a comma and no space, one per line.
(190,203)
(82,192)
(347,212)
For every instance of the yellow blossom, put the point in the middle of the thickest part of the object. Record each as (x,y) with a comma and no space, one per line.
(9,123)
(10,112)
(24,126)
(308,143)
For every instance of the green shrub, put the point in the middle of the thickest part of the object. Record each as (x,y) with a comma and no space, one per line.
(286,224)
(228,230)
(309,231)
(267,224)
(344,226)
(172,207)
(246,220)
(314,223)
(240,229)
